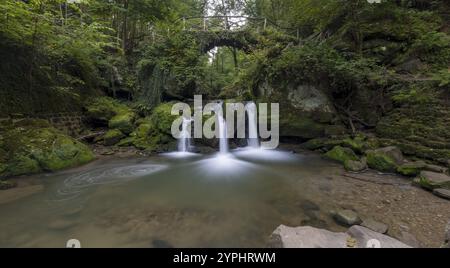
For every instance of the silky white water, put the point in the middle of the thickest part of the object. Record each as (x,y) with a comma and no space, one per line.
(253,140)
(184,142)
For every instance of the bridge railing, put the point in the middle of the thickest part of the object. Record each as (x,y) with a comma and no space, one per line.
(219,23)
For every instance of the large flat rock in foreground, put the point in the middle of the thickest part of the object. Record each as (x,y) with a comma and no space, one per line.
(310,237)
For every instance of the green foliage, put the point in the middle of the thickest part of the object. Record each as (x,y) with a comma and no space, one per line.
(342,154)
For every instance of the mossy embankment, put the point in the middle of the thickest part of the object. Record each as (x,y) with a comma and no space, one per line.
(31,146)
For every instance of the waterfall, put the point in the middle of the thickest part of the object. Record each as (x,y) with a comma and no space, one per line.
(184,142)
(222,130)
(253,140)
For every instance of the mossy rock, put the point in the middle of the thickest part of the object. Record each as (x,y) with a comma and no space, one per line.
(21,165)
(103,109)
(33,149)
(112,137)
(128,141)
(162,118)
(411,169)
(123,122)
(322,143)
(431,180)
(341,154)
(384,159)
(355,166)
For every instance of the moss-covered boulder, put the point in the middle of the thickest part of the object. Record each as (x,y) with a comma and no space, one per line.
(411,169)
(102,109)
(385,159)
(112,137)
(35,147)
(341,154)
(431,180)
(110,112)
(123,121)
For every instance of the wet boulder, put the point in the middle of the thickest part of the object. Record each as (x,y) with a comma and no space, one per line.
(364,236)
(347,217)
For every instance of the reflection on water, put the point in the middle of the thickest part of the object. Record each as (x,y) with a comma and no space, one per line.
(233,200)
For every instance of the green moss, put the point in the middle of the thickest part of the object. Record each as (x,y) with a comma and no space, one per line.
(103,109)
(123,122)
(355,166)
(427,182)
(128,141)
(380,161)
(21,165)
(33,149)
(162,118)
(321,143)
(411,169)
(112,137)
(342,154)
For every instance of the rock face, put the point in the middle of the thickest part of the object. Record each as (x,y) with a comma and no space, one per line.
(363,235)
(385,159)
(342,154)
(347,217)
(306,237)
(431,180)
(420,129)
(375,226)
(309,237)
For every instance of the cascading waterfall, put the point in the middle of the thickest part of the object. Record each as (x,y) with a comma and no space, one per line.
(184,142)
(253,140)
(222,130)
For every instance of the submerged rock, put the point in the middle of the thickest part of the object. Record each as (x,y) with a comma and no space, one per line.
(385,159)
(347,217)
(375,226)
(432,180)
(342,154)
